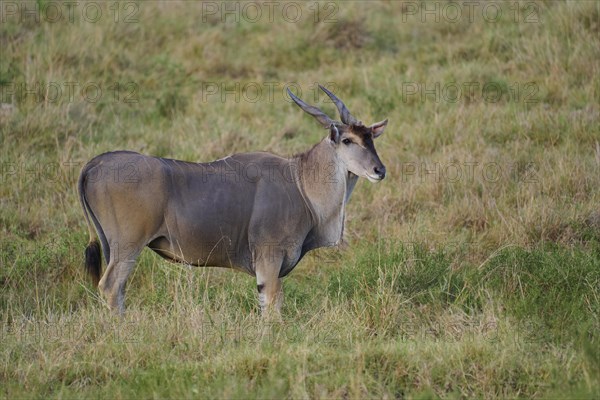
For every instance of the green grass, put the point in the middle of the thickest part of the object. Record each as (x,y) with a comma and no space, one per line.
(484,284)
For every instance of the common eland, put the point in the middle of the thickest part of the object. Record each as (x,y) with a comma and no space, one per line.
(256,212)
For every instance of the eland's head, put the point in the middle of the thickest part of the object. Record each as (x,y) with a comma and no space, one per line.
(353,141)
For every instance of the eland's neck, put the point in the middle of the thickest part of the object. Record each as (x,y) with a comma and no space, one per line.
(326,184)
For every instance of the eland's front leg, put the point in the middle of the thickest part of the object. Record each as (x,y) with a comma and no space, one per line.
(268,283)
(270,296)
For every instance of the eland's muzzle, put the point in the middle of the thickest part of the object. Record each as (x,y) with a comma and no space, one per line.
(380,171)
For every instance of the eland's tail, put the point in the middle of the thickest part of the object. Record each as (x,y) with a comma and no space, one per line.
(93,258)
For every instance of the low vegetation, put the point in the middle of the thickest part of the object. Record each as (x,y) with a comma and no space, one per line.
(472,270)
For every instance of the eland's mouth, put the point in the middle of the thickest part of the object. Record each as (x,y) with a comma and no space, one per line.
(374,178)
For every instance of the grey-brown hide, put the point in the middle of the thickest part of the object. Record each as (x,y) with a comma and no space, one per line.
(255,212)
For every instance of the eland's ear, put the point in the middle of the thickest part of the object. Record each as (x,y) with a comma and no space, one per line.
(334,134)
(378,128)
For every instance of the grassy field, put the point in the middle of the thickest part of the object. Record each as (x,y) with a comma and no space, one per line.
(472,270)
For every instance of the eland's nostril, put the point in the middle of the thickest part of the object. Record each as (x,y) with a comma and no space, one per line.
(380,171)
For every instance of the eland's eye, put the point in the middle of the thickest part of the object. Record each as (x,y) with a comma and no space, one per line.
(346,141)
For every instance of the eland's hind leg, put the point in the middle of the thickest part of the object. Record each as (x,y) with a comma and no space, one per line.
(113,281)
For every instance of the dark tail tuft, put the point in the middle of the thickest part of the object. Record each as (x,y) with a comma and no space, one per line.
(93,261)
